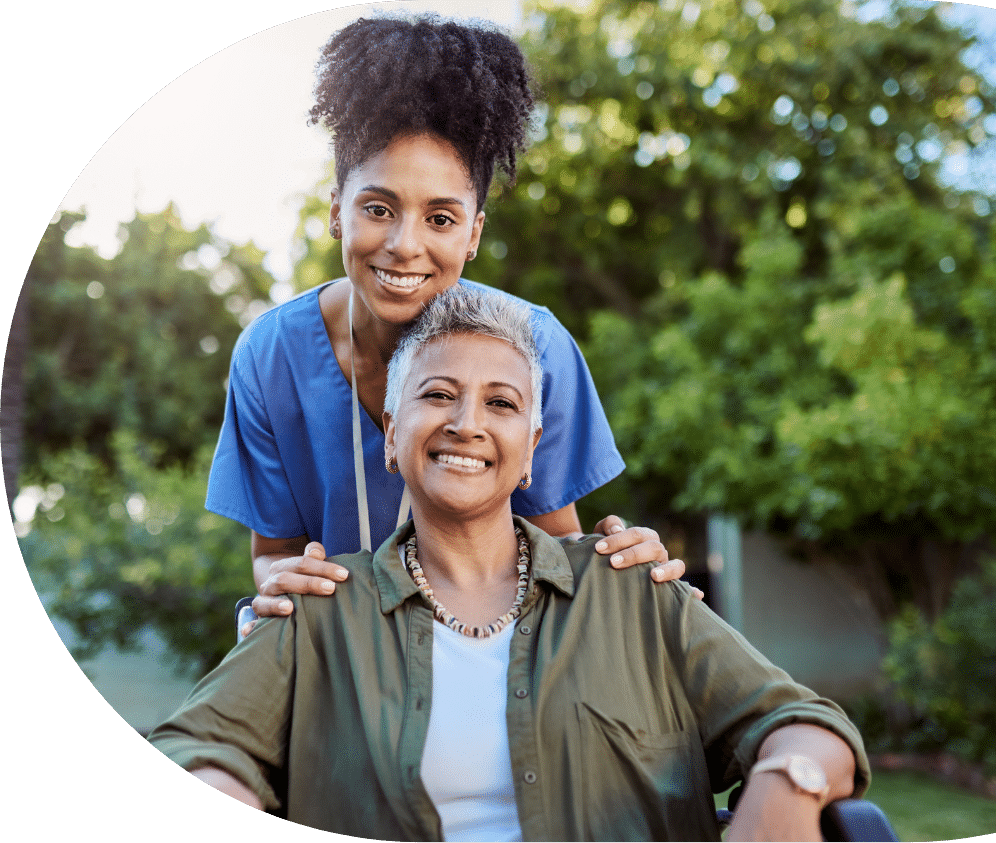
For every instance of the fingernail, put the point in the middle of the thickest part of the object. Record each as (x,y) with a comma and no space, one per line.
(615,528)
(657,574)
(328,586)
(341,573)
(601,547)
(616,560)
(286,607)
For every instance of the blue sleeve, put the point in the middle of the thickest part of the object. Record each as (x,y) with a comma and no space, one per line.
(248,481)
(577,452)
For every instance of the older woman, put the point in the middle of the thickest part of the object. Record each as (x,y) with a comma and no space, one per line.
(421,113)
(480,680)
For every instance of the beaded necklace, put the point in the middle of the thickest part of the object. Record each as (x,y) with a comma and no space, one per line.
(446,617)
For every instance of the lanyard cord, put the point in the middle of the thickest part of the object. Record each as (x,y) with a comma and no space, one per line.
(359,469)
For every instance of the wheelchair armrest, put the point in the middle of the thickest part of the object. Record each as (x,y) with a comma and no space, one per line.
(243,614)
(855,819)
(843,820)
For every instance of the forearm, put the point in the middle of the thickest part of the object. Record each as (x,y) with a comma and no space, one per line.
(228,784)
(561,523)
(831,752)
(771,808)
(266,551)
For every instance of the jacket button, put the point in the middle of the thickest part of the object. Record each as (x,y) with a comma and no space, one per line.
(525,630)
(522,693)
(529,777)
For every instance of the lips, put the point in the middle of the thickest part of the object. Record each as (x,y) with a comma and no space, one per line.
(406,281)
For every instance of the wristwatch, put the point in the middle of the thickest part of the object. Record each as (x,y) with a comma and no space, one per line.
(804,773)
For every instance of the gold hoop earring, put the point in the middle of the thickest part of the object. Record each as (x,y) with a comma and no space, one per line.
(525,482)
(391,465)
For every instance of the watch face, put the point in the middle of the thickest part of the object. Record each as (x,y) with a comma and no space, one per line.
(807,775)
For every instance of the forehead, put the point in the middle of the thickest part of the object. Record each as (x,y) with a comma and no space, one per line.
(423,163)
(472,358)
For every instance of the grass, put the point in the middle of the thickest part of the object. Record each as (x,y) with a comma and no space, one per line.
(921,808)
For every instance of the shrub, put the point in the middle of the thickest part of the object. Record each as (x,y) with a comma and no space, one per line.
(946,672)
(117,552)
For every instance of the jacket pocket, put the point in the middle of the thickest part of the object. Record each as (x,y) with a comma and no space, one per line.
(640,785)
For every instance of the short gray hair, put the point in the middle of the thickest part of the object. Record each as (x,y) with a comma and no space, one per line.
(463,309)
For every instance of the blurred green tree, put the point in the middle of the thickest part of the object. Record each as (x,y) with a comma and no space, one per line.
(738,208)
(140,342)
(125,386)
(945,670)
(117,552)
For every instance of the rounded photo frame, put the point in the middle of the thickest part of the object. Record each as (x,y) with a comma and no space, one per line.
(77,765)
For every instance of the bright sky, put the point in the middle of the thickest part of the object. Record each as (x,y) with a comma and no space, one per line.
(228,140)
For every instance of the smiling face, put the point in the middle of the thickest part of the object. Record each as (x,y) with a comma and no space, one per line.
(408,218)
(462,437)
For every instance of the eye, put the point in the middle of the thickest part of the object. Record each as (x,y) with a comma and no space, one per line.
(442,220)
(436,394)
(376,210)
(503,404)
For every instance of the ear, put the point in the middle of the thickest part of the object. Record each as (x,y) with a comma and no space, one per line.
(532,449)
(475,235)
(335,209)
(389,450)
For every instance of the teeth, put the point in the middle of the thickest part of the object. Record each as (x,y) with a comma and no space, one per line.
(406,281)
(467,462)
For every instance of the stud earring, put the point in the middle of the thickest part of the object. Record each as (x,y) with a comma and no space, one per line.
(525,482)
(391,465)
(471,255)
(334,230)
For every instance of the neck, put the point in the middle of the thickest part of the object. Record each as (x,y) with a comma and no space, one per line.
(373,341)
(467,553)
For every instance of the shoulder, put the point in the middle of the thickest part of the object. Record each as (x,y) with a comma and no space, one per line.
(266,344)
(272,325)
(592,570)
(356,597)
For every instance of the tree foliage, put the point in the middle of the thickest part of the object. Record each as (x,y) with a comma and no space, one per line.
(139,342)
(738,209)
(945,671)
(125,384)
(117,552)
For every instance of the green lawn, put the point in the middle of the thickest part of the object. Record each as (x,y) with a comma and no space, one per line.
(921,808)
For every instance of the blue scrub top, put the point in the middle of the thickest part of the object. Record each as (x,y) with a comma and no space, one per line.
(284,461)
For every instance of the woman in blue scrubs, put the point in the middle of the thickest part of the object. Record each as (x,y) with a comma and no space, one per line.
(421,114)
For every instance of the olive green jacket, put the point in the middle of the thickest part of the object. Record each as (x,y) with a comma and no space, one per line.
(629,702)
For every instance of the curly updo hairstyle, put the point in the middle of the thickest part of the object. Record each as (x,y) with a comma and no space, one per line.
(382,78)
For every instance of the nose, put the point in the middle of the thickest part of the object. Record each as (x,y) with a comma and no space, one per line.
(465,421)
(404,241)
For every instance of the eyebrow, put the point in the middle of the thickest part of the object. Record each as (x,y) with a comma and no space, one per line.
(455,382)
(440,201)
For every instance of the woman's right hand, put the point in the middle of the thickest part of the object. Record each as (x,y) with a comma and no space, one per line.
(279,571)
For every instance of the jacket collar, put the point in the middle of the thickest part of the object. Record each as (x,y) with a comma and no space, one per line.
(550,565)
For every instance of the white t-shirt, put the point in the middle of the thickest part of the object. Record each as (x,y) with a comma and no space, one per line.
(466,766)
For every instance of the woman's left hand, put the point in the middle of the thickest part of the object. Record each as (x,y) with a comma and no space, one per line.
(630,546)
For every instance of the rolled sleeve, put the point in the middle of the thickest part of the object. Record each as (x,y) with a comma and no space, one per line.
(740,697)
(238,716)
